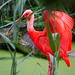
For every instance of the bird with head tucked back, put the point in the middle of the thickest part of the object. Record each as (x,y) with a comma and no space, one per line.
(63,25)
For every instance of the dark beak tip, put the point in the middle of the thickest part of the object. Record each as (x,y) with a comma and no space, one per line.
(22,17)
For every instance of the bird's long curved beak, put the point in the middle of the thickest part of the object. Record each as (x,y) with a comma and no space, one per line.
(22,18)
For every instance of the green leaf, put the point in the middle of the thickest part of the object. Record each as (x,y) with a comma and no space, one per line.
(57,42)
(5,4)
(10,51)
(52,58)
(22,49)
(19,8)
(30,4)
(42,67)
(53,61)
(73,31)
(7,40)
(72,15)
(56,38)
(24,58)
(58,49)
(58,46)
(13,67)
(37,2)
(51,41)
(6,25)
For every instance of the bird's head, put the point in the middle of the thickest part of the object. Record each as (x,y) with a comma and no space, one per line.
(26,14)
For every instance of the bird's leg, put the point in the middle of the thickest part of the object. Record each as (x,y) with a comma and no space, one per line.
(48,71)
(49,68)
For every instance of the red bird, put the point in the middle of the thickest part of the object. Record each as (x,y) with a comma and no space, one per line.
(63,25)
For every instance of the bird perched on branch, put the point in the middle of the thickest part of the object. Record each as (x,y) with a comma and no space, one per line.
(63,25)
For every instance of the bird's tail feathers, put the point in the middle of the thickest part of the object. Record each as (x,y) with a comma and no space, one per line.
(63,55)
(66,61)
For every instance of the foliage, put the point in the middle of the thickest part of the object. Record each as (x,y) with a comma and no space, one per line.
(18,9)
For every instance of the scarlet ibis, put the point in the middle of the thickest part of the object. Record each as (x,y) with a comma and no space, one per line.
(63,25)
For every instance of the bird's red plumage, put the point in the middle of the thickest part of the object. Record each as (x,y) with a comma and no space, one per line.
(63,25)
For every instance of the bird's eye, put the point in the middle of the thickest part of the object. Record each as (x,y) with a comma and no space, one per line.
(26,13)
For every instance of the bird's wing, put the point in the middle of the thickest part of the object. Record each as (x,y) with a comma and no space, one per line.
(68,20)
(63,25)
(65,18)
(43,40)
(44,43)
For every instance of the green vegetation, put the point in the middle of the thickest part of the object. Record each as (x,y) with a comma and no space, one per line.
(73,45)
(30,66)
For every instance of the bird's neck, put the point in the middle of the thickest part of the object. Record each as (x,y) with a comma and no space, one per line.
(30,23)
